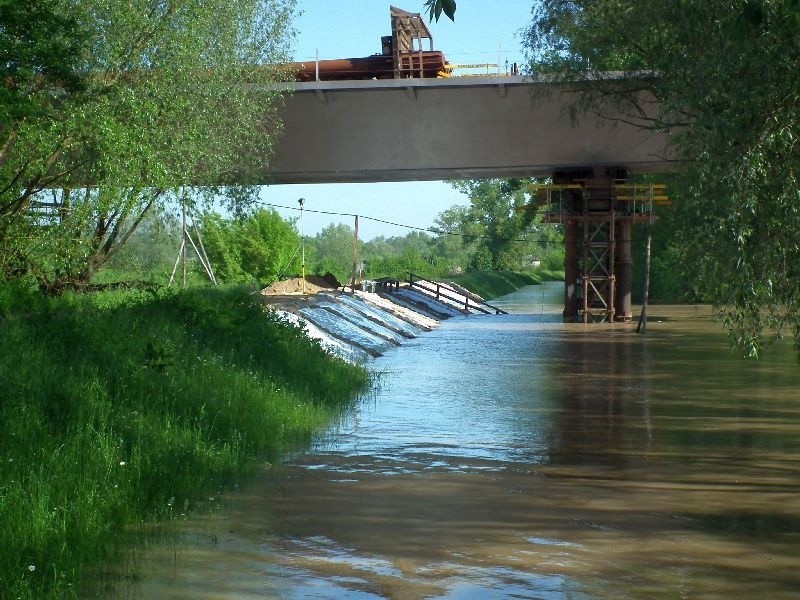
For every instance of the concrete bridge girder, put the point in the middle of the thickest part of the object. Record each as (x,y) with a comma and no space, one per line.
(434,129)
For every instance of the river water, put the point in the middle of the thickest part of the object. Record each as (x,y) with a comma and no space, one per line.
(514,456)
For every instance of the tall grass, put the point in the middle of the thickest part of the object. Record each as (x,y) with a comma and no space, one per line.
(491,284)
(118,408)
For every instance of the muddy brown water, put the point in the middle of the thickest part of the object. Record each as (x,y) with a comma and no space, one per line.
(518,457)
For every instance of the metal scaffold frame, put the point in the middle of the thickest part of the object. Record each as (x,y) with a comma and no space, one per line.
(597,268)
(598,214)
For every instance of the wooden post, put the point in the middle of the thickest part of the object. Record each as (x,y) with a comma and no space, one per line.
(177,260)
(204,257)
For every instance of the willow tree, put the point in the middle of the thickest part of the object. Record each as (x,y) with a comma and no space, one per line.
(721,78)
(161,94)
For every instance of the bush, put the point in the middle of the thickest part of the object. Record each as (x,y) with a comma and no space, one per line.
(260,247)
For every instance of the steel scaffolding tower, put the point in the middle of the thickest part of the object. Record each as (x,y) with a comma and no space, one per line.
(598,211)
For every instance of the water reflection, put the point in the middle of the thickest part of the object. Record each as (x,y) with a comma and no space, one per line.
(519,457)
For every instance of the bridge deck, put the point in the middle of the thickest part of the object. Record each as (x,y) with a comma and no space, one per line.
(434,129)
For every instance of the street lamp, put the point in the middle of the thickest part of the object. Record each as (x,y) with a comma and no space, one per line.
(301,202)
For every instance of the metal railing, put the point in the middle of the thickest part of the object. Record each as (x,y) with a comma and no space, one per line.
(440,290)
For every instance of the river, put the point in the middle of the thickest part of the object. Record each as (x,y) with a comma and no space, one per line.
(514,456)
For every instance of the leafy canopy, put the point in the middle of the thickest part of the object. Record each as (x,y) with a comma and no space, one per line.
(505,237)
(261,247)
(136,98)
(721,77)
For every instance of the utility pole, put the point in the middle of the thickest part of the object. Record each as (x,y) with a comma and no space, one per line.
(301,202)
(355,255)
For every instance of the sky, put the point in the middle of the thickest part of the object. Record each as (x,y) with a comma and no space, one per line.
(482,32)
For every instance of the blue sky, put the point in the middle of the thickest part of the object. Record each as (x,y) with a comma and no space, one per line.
(482,32)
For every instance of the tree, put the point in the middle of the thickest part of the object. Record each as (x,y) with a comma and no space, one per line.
(450,245)
(72,236)
(400,255)
(333,251)
(151,250)
(43,49)
(149,95)
(498,227)
(721,77)
(260,247)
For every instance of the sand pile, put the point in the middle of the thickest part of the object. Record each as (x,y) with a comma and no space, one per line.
(314,284)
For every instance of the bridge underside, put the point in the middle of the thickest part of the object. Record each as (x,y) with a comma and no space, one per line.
(437,129)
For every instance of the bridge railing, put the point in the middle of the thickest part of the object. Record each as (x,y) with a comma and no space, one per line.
(443,291)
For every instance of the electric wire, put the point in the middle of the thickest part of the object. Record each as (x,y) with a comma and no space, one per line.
(434,230)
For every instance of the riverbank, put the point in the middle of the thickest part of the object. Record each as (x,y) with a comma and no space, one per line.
(122,408)
(358,324)
(493,284)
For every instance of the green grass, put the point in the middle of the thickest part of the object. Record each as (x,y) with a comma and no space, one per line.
(126,407)
(491,284)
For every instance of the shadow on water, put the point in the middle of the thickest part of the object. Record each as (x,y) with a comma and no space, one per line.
(513,456)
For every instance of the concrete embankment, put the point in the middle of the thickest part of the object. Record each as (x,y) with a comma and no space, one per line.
(359,325)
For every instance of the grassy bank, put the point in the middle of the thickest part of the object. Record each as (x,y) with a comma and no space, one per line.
(119,408)
(491,284)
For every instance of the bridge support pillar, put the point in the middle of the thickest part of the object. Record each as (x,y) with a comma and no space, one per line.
(571,273)
(624,262)
(597,209)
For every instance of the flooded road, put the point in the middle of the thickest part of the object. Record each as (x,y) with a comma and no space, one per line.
(513,456)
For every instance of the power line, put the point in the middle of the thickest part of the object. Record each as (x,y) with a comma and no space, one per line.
(434,230)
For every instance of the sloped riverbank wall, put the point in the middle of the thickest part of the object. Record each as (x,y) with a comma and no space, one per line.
(357,325)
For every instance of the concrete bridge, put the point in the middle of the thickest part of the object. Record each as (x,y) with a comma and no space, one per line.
(484,127)
(434,129)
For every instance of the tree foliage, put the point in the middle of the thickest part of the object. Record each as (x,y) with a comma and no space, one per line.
(452,247)
(261,247)
(72,237)
(435,9)
(135,98)
(504,236)
(42,49)
(398,256)
(332,252)
(721,77)
(150,253)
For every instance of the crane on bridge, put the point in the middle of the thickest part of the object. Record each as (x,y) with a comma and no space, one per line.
(402,56)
